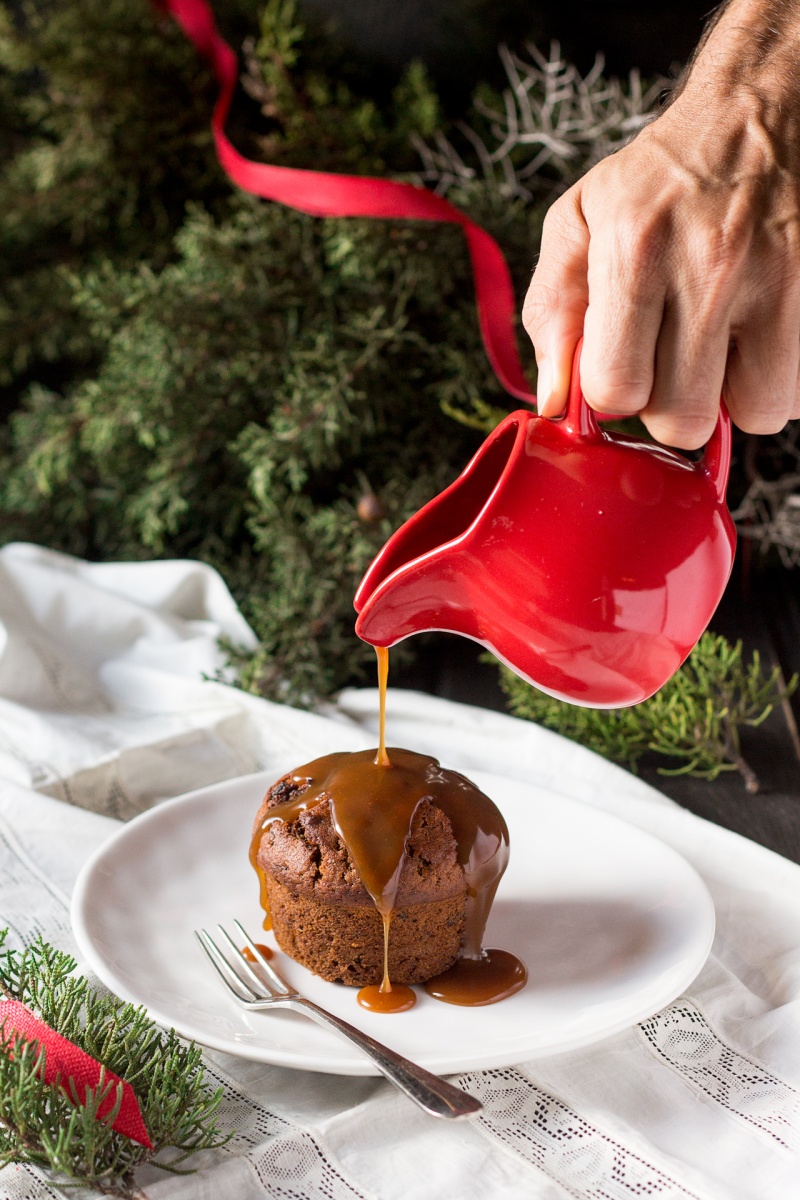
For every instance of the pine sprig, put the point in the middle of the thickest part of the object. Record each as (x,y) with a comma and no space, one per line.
(42,1126)
(695,720)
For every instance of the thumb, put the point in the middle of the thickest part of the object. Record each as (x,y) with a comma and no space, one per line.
(557,300)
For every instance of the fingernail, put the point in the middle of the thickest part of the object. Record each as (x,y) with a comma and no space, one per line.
(544,388)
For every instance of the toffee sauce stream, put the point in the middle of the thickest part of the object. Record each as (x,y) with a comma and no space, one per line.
(373,797)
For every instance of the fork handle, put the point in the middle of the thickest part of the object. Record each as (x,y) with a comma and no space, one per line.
(436,1096)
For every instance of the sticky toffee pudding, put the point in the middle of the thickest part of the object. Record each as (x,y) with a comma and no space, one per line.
(378,869)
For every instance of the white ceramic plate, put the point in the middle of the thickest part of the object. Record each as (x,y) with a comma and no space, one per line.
(611,923)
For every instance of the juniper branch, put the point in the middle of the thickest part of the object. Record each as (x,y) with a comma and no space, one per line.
(695,720)
(40,1124)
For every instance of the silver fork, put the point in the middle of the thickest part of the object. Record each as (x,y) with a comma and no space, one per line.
(435,1095)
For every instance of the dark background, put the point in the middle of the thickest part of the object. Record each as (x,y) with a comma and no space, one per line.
(457,39)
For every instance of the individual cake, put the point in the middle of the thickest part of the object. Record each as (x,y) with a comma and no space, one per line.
(347,850)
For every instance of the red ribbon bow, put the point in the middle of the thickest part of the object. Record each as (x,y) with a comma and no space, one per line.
(75,1071)
(321,194)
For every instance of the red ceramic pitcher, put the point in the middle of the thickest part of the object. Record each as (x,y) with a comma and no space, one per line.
(589,562)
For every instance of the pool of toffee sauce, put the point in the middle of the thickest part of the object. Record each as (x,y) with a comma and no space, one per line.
(263,950)
(373,798)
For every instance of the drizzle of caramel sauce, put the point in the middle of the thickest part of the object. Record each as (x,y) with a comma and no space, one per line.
(262,949)
(373,796)
(494,976)
(263,891)
(380,1002)
(382,758)
(398,998)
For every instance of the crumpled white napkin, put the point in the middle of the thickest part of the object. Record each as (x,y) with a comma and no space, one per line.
(108,704)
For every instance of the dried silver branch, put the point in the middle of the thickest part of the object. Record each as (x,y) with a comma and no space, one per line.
(546,128)
(769,514)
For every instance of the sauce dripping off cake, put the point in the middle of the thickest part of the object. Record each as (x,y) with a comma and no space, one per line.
(373,797)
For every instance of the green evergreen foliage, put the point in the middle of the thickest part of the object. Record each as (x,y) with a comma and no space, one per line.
(232,387)
(247,394)
(695,720)
(315,111)
(105,136)
(40,1125)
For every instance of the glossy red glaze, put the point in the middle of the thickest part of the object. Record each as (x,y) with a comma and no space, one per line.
(588,561)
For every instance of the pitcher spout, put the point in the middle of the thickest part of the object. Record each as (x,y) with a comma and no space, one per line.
(415,584)
(419,598)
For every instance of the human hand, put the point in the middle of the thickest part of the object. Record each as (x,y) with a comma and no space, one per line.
(678,258)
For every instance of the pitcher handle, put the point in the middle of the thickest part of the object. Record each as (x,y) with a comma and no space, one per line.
(581,422)
(716,462)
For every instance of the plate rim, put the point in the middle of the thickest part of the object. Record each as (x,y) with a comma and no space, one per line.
(355,1064)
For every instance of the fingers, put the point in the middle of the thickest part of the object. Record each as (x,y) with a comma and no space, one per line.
(761,388)
(624,317)
(690,364)
(795,409)
(557,298)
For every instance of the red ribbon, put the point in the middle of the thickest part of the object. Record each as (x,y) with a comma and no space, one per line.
(75,1071)
(321,194)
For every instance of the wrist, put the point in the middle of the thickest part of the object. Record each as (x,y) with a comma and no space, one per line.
(751,47)
(741,92)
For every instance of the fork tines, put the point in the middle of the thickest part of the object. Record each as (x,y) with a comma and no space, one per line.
(237,973)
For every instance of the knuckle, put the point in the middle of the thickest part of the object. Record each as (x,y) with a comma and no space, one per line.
(540,304)
(559,217)
(787,243)
(620,389)
(718,247)
(717,258)
(761,420)
(644,238)
(686,429)
(761,410)
(564,234)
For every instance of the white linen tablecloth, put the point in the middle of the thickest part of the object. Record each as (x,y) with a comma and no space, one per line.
(106,708)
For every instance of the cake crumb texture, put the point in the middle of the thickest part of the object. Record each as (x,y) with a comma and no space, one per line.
(344,943)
